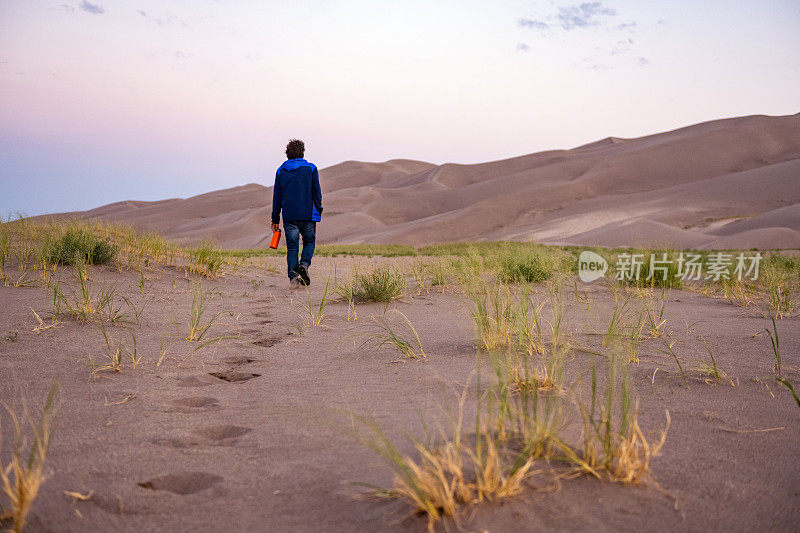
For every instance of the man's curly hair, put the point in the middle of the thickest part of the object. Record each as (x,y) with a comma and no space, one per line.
(295,149)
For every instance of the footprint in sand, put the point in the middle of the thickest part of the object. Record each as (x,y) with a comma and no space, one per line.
(266,342)
(238,360)
(201,380)
(182,483)
(194,404)
(222,433)
(113,503)
(176,442)
(234,376)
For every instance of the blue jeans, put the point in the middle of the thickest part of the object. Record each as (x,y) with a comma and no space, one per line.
(293,230)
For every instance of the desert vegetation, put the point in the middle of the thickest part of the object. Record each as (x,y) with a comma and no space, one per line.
(22,475)
(546,379)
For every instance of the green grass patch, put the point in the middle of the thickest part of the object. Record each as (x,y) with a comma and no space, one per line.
(659,269)
(76,245)
(481,249)
(525,267)
(379,285)
(784,263)
(205,260)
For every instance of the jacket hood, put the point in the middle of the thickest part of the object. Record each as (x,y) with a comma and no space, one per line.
(293,164)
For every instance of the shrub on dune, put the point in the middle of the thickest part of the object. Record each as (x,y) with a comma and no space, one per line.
(76,245)
(379,285)
(524,267)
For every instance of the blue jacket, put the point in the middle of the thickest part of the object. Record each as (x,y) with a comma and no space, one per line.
(297,192)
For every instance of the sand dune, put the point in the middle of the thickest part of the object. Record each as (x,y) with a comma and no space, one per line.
(724,183)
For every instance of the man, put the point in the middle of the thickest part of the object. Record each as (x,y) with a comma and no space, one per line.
(297,193)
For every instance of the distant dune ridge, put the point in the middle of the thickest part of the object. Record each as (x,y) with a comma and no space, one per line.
(732,183)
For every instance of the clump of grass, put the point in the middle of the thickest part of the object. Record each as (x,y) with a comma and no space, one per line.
(710,369)
(620,317)
(162,348)
(527,393)
(382,284)
(659,269)
(776,349)
(530,333)
(450,471)
(786,262)
(198,327)
(525,267)
(316,313)
(539,365)
(669,351)
(434,484)
(527,361)
(206,260)
(418,270)
(83,304)
(347,291)
(116,352)
(399,334)
(77,245)
(493,312)
(23,476)
(429,274)
(113,353)
(438,275)
(655,317)
(465,270)
(776,278)
(737,292)
(625,327)
(133,315)
(515,334)
(522,372)
(614,445)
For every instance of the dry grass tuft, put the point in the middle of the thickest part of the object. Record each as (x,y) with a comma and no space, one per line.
(382,284)
(198,326)
(399,334)
(738,293)
(493,312)
(614,445)
(452,471)
(633,453)
(315,313)
(205,260)
(23,476)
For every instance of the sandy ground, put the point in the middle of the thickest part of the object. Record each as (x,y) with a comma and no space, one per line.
(174,448)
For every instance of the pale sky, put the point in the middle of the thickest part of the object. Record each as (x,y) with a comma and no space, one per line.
(102,101)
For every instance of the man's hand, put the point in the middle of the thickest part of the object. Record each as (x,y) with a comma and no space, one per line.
(273,226)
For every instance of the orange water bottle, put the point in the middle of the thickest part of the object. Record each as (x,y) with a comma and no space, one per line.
(276,239)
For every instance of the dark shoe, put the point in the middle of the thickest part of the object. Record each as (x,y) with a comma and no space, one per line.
(302,271)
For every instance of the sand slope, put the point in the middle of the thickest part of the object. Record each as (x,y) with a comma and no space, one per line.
(724,183)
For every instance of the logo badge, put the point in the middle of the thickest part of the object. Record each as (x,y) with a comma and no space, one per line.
(591,266)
